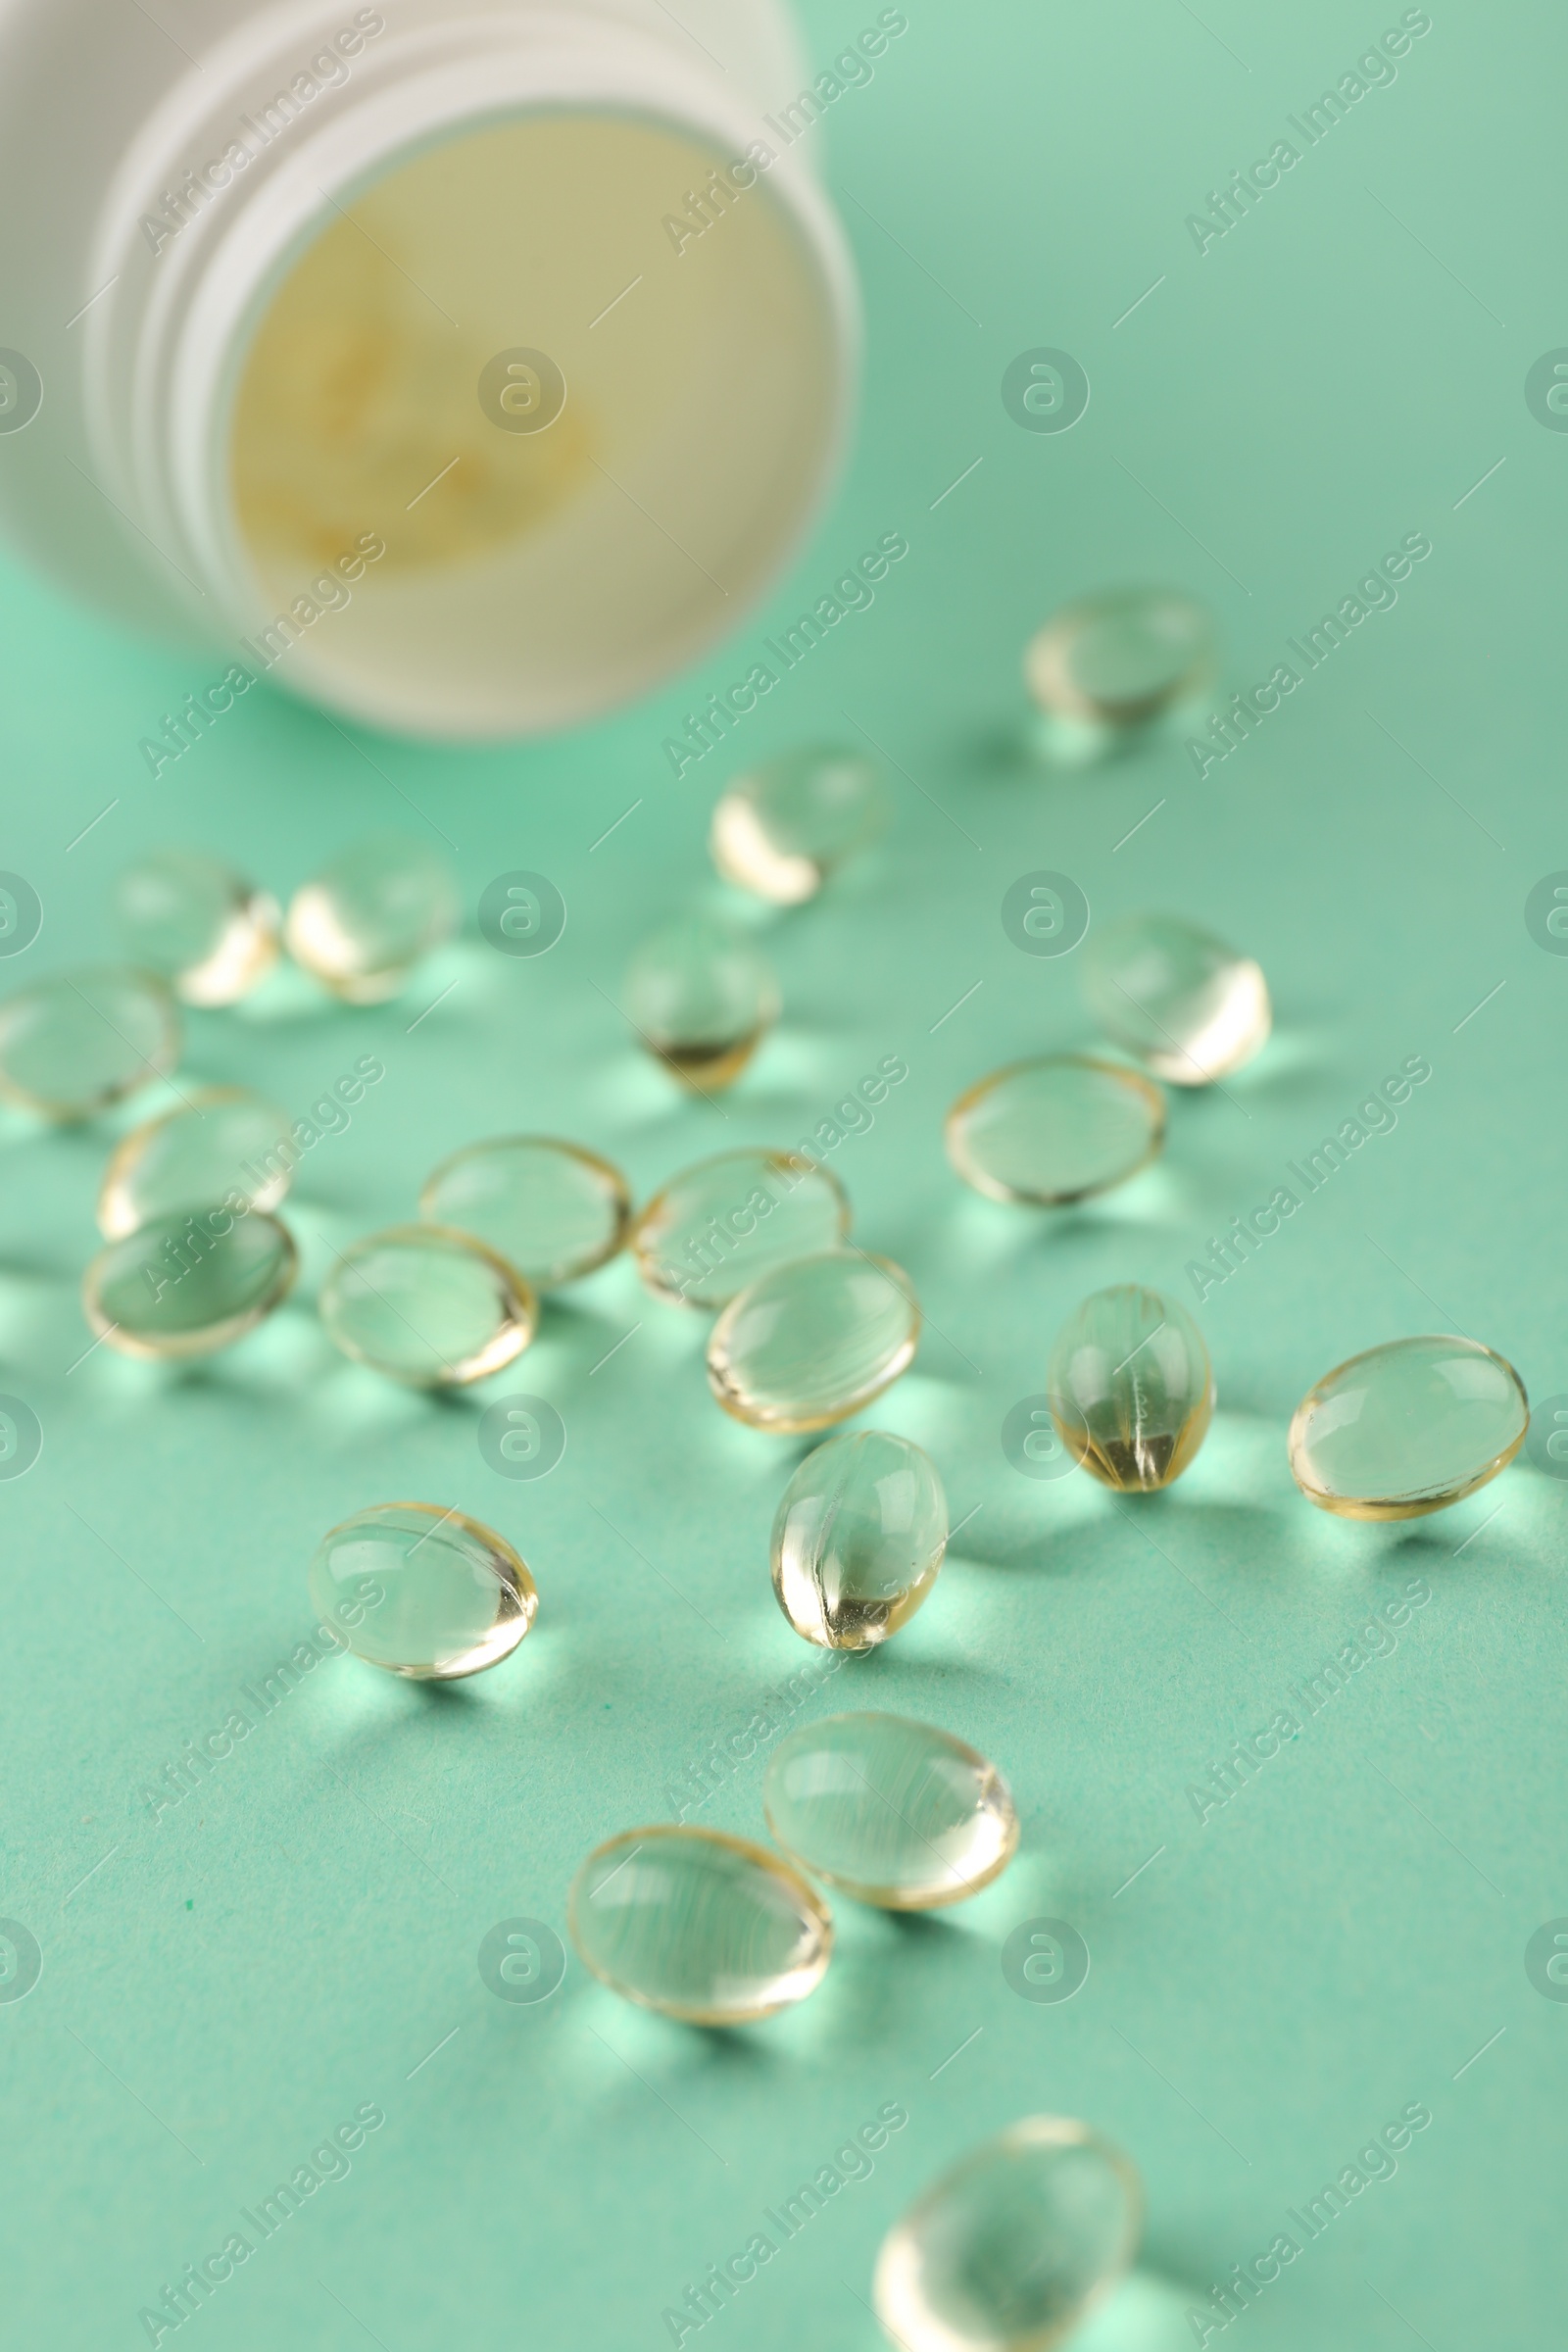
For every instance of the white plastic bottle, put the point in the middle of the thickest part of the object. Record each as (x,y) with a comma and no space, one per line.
(477,362)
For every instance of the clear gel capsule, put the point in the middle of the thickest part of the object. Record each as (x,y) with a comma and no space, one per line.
(783,828)
(552,1209)
(72,1046)
(222,1139)
(891,1811)
(1123,659)
(363,922)
(702,999)
(422,1592)
(188,1285)
(721,1225)
(1407,1428)
(815,1341)
(204,927)
(1192,1008)
(1009,2250)
(703,1927)
(859,1539)
(1056,1130)
(427,1305)
(1130,1386)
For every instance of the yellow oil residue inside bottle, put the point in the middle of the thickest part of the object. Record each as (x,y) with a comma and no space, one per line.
(554,536)
(358,407)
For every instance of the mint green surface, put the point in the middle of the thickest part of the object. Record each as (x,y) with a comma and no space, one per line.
(226,1984)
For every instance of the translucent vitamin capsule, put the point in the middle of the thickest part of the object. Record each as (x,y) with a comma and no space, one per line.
(1130,1386)
(1057,1130)
(220,1141)
(1015,2246)
(891,1811)
(815,1341)
(783,828)
(194,920)
(726,1222)
(1188,1003)
(703,1927)
(188,1285)
(552,1209)
(422,1592)
(1123,659)
(75,1043)
(1407,1428)
(427,1305)
(857,1539)
(702,999)
(365,920)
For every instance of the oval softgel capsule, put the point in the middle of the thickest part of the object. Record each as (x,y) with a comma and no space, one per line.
(210,933)
(222,1144)
(553,1209)
(783,828)
(424,1592)
(1130,1386)
(72,1046)
(857,1539)
(1011,2249)
(188,1285)
(813,1341)
(1407,1428)
(1122,657)
(891,1811)
(363,923)
(1056,1130)
(701,998)
(718,1226)
(1176,996)
(427,1305)
(699,1926)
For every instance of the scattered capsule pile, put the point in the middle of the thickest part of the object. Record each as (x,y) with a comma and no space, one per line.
(1013,2246)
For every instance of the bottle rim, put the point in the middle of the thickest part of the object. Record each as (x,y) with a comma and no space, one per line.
(164,349)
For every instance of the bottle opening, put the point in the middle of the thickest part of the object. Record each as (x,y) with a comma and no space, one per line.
(507,446)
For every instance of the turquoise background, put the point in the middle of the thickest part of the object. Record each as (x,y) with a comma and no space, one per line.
(233,1980)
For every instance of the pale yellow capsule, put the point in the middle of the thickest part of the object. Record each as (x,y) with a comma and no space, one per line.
(1190,1005)
(210,933)
(1122,657)
(1131,1391)
(892,1811)
(72,1045)
(365,920)
(857,1539)
(422,1592)
(1056,1130)
(721,1226)
(702,999)
(187,1284)
(554,1210)
(427,1305)
(815,1341)
(703,1927)
(1407,1428)
(222,1142)
(1011,2249)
